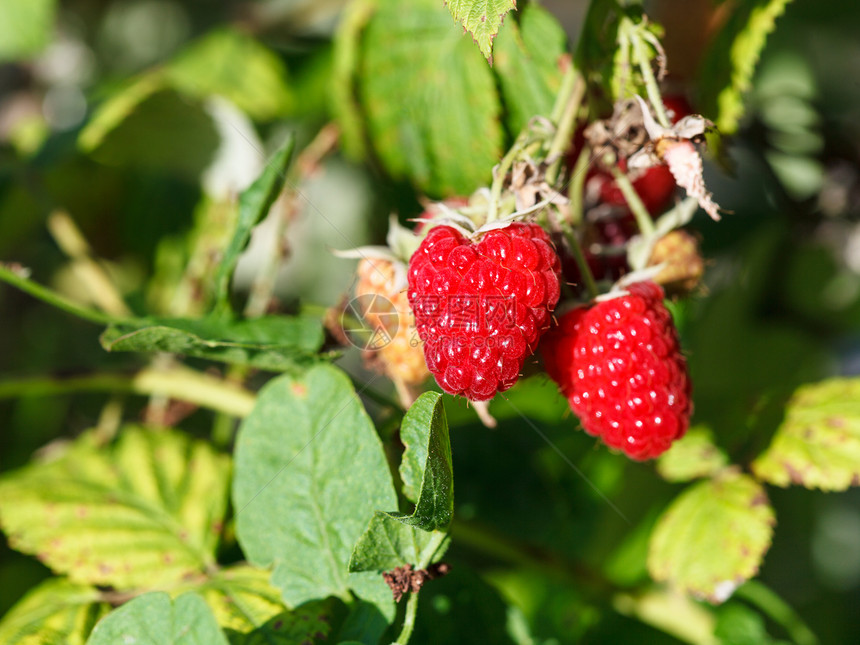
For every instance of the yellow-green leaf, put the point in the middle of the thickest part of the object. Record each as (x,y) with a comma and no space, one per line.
(713,537)
(482,19)
(692,456)
(818,443)
(56,611)
(144,512)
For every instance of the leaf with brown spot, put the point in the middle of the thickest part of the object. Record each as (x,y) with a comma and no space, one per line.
(150,501)
(818,443)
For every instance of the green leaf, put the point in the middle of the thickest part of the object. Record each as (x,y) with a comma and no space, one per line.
(672,613)
(274,343)
(144,512)
(233,65)
(693,456)
(443,131)
(56,611)
(818,443)
(254,203)
(145,125)
(426,466)
(527,56)
(153,619)
(26,27)
(743,37)
(713,537)
(388,543)
(250,609)
(737,624)
(310,471)
(481,18)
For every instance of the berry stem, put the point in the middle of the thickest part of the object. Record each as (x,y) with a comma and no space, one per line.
(500,172)
(579,256)
(565,125)
(643,218)
(644,61)
(577,185)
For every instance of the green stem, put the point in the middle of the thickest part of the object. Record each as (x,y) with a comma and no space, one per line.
(581,262)
(577,185)
(778,610)
(644,62)
(643,218)
(409,620)
(54,299)
(178,383)
(565,126)
(500,172)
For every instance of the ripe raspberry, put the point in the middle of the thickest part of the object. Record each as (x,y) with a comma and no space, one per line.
(401,359)
(481,307)
(620,366)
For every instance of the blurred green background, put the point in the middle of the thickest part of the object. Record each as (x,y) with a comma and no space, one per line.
(781,305)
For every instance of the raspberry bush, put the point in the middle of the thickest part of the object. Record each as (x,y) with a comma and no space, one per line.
(273,271)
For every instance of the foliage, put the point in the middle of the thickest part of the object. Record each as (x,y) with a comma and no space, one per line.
(230,466)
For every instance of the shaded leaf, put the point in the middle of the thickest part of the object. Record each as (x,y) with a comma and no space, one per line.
(153,619)
(250,609)
(149,125)
(142,513)
(443,131)
(56,611)
(26,27)
(254,204)
(274,343)
(692,456)
(482,19)
(310,471)
(233,65)
(713,537)
(744,37)
(737,624)
(426,467)
(527,64)
(818,443)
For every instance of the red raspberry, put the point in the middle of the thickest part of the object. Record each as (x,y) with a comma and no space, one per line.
(481,307)
(620,366)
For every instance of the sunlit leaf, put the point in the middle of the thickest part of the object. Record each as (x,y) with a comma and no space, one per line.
(672,613)
(142,513)
(56,611)
(743,37)
(388,543)
(818,443)
(692,456)
(155,619)
(527,62)
(25,27)
(713,537)
(482,19)
(233,65)
(443,131)
(310,472)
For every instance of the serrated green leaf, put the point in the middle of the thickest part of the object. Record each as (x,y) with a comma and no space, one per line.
(276,343)
(56,611)
(142,513)
(527,56)
(744,37)
(692,456)
(443,131)
(482,19)
(310,471)
(818,443)
(233,65)
(254,204)
(427,470)
(713,537)
(388,543)
(250,610)
(25,27)
(153,619)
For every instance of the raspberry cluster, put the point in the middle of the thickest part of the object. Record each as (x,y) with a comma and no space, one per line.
(620,366)
(481,306)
